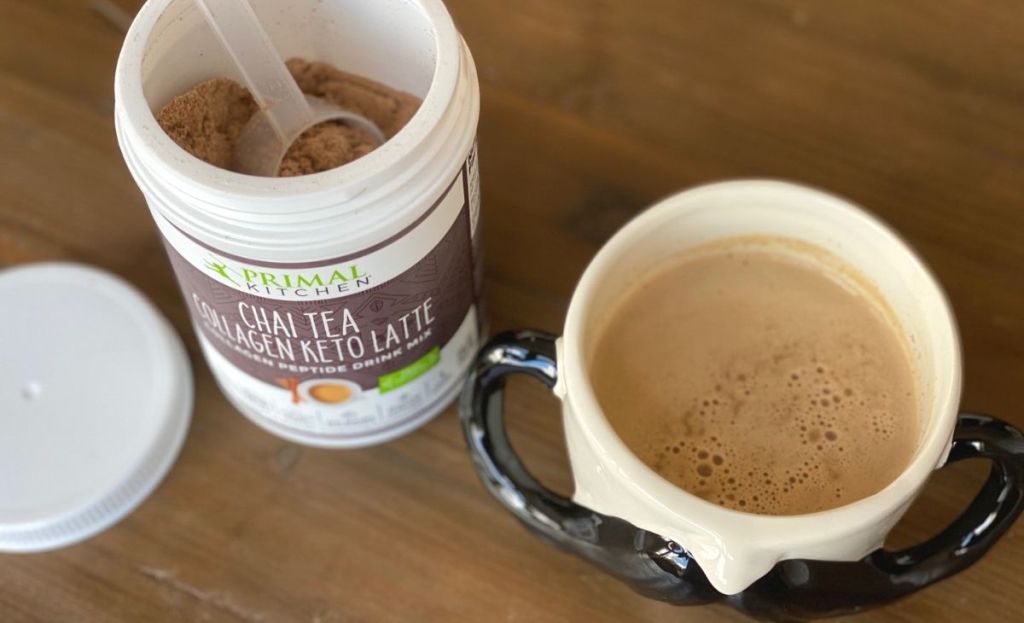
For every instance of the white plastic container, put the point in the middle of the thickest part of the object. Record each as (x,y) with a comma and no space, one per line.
(337,309)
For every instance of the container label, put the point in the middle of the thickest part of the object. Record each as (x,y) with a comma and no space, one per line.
(353,347)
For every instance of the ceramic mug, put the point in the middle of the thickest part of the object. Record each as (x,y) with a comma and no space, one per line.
(674,546)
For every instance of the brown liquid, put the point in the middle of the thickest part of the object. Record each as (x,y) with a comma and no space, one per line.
(756,379)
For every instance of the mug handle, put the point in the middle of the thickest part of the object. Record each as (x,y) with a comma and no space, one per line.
(483,422)
(650,564)
(991,513)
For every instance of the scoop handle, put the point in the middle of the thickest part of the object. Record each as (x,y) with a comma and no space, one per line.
(263,71)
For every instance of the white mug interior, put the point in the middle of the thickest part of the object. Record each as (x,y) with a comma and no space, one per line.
(735,548)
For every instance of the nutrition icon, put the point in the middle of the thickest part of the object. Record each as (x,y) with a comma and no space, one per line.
(324,392)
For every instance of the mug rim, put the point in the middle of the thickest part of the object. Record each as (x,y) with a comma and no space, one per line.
(792,530)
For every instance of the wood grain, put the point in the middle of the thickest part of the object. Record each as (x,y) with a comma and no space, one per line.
(591,110)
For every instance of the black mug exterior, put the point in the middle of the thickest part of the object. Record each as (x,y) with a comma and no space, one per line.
(794,590)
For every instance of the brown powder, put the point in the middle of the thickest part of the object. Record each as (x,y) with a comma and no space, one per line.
(207,119)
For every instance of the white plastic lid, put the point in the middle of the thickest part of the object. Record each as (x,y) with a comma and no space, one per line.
(95,400)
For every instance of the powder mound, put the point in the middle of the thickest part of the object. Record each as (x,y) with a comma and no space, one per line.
(207,119)
(324,147)
(389,108)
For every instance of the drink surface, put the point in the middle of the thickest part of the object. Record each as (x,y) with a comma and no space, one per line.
(758,379)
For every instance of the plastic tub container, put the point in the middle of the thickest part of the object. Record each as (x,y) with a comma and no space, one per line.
(338,309)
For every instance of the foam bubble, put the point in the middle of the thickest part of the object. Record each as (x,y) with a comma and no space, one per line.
(815,422)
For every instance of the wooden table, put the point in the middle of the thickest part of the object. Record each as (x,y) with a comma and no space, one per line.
(591,111)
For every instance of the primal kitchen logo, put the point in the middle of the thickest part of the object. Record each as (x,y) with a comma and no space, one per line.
(330,281)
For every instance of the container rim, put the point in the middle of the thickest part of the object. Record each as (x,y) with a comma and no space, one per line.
(262,194)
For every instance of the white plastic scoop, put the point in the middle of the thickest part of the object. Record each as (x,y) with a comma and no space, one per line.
(285,112)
